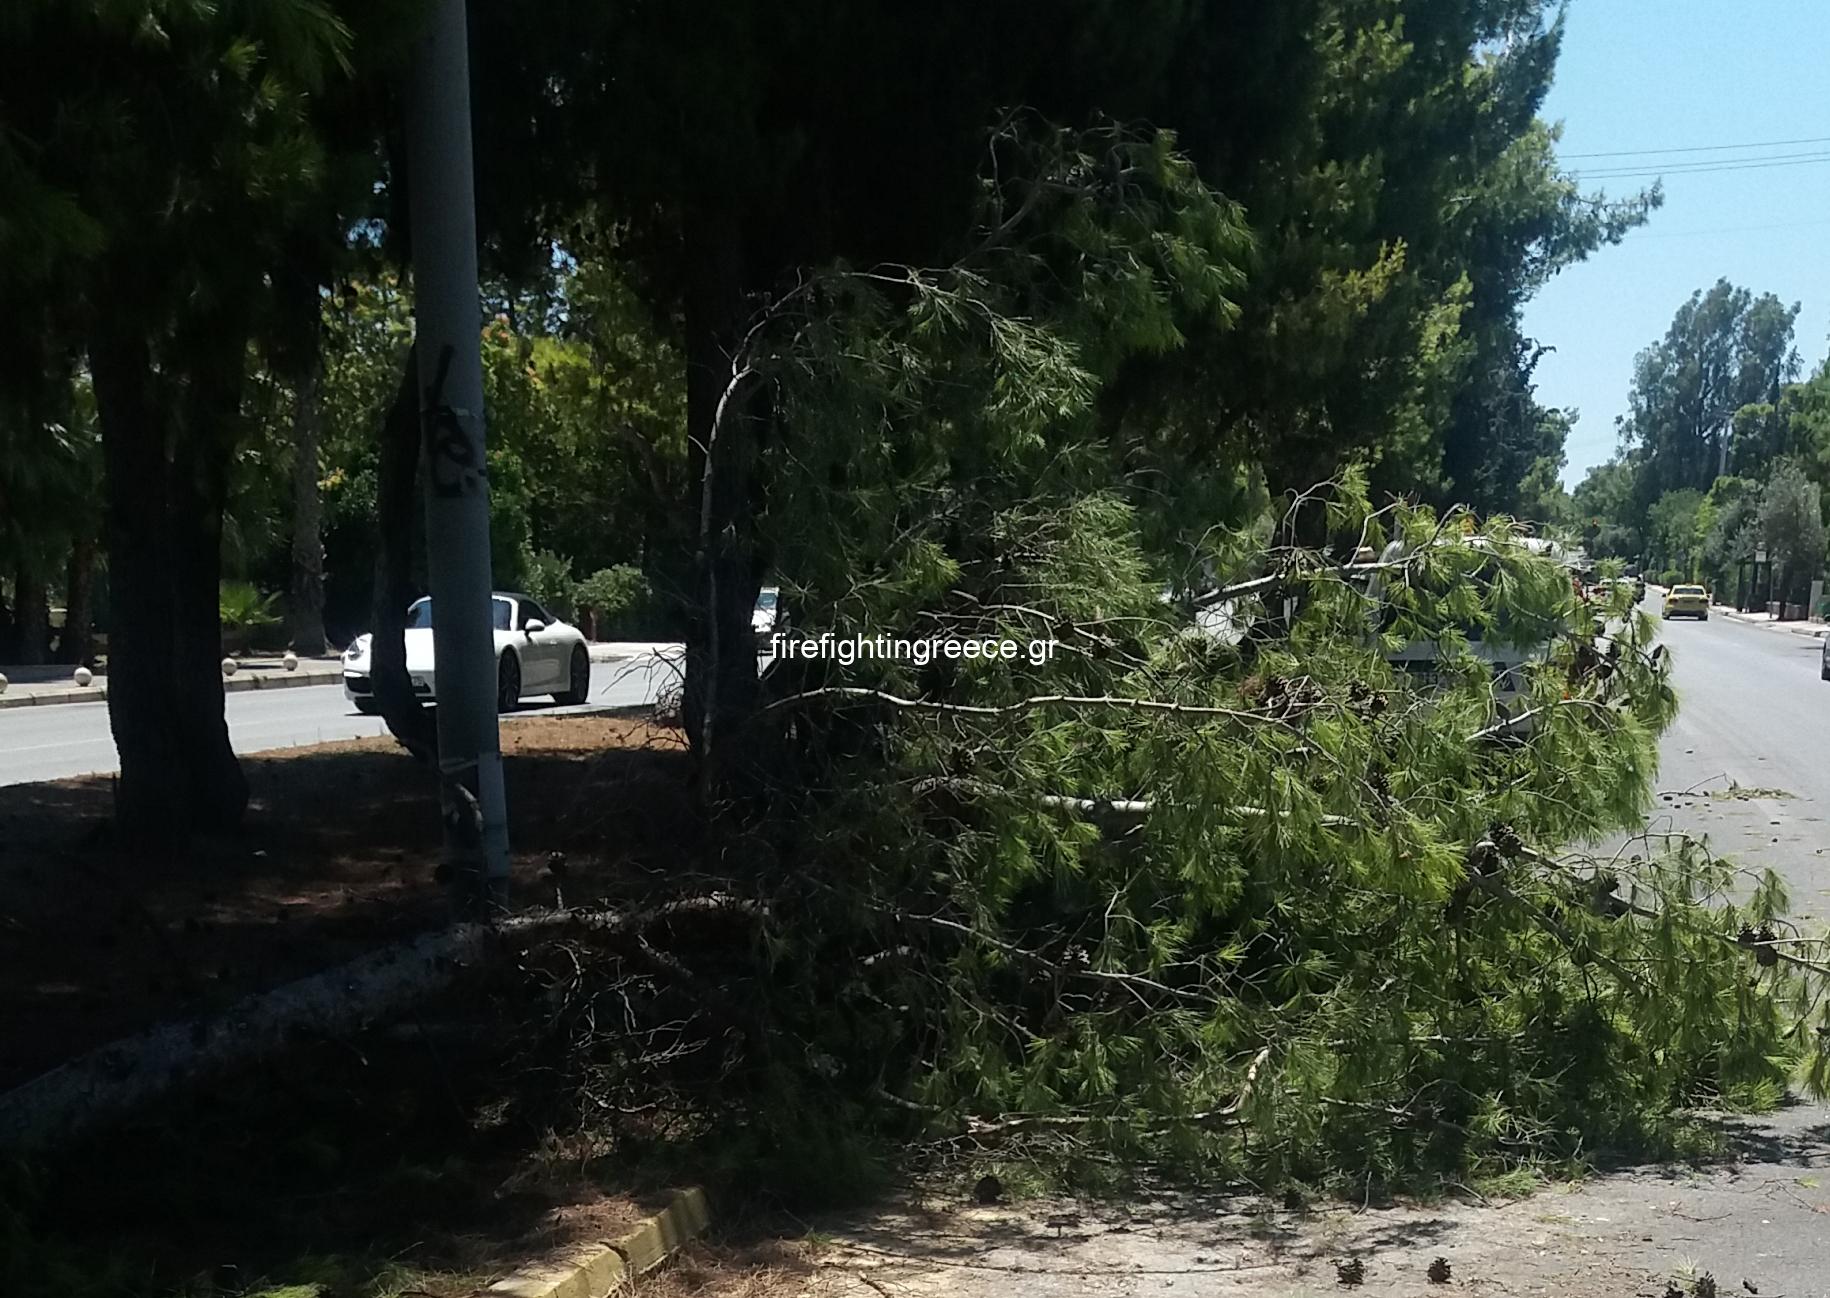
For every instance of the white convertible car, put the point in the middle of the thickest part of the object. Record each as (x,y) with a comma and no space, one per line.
(536,654)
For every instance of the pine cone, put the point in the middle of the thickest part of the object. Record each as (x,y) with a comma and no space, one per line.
(1767,955)
(1506,838)
(1746,937)
(1439,1271)
(1353,1272)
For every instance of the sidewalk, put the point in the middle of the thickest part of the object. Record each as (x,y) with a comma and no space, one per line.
(1815,630)
(53,683)
(612,651)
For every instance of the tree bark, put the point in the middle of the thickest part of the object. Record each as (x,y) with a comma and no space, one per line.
(149,795)
(397,494)
(720,690)
(166,439)
(307,606)
(31,617)
(217,789)
(77,645)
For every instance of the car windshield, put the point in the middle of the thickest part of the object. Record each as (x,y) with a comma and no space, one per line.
(1686,590)
(419,616)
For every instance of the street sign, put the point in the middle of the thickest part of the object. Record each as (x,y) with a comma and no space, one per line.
(1760,554)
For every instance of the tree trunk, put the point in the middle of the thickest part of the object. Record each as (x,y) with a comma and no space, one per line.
(397,494)
(217,791)
(149,795)
(31,617)
(307,606)
(166,489)
(78,642)
(720,691)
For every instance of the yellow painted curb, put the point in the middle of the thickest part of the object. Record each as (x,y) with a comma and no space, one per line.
(601,1269)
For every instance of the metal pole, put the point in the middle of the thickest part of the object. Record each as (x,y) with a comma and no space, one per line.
(448,321)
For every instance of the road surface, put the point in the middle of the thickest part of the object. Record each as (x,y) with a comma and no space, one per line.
(49,743)
(1752,713)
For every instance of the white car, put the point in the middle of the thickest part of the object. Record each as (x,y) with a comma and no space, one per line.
(766,618)
(536,654)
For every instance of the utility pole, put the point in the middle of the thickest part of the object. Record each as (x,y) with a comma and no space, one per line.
(448,324)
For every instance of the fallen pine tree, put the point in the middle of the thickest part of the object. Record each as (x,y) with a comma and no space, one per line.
(125,1076)
(1232,893)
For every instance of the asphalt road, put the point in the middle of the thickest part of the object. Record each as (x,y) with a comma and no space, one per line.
(49,743)
(1752,713)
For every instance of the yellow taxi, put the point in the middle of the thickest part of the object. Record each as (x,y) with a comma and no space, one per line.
(1687,601)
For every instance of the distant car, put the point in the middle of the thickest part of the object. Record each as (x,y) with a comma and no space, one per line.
(1687,601)
(1633,584)
(766,618)
(536,654)
(1823,666)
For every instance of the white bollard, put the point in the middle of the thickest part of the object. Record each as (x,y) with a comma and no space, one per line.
(290,662)
(82,676)
(2,682)
(228,666)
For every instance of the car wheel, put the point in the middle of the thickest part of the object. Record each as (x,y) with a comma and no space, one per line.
(1823,672)
(1702,617)
(580,678)
(508,683)
(367,707)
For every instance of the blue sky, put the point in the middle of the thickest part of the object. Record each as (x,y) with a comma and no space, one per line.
(1678,74)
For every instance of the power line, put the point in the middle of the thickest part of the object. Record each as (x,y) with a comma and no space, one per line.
(1802,161)
(1708,164)
(1699,148)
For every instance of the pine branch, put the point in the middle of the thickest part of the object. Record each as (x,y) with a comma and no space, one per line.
(860,693)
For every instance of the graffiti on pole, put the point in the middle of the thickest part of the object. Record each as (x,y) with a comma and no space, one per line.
(454,455)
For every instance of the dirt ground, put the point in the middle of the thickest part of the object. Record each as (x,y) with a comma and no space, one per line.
(336,858)
(405,1160)
(1751,1223)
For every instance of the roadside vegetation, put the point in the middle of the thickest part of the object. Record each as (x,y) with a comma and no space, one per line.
(1723,458)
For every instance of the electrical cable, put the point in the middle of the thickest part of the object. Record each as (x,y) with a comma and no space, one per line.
(1700,148)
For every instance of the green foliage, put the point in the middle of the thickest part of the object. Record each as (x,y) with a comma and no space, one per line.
(1725,350)
(549,581)
(1791,522)
(1730,535)
(623,603)
(1254,902)
(1676,528)
(242,607)
(586,426)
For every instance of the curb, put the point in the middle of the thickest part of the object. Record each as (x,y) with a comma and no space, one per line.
(595,1270)
(1810,630)
(98,692)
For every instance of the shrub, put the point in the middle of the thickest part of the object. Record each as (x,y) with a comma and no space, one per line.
(623,602)
(243,608)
